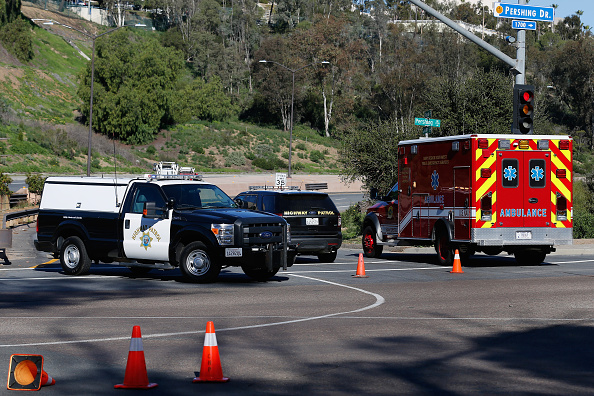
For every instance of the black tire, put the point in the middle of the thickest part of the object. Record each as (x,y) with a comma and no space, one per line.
(369,242)
(197,265)
(327,257)
(530,257)
(74,257)
(259,274)
(445,255)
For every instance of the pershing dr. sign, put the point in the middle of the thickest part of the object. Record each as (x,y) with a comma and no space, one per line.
(521,11)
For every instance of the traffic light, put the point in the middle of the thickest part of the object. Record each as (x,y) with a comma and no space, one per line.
(523,119)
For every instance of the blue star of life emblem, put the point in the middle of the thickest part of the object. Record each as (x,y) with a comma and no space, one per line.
(510,173)
(537,173)
(435,180)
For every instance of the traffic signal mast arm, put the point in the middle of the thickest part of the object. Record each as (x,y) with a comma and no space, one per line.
(516,65)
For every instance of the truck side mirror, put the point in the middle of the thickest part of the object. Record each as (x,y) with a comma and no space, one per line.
(239,202)
(171,203)
(150,210)
(373,193)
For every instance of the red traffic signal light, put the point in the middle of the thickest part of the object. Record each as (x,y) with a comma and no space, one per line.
(523,119)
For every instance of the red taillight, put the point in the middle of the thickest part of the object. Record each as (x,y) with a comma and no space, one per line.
(485,172)
(561,173)
(279,214)
(561,207)
(564,145)
(340,221)
(483,143)
(37,225)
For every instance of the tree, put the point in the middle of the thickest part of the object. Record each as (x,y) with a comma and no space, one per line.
(572,76)
(134,82)
(370,152)
(5,180)
(35,183)
(480,103)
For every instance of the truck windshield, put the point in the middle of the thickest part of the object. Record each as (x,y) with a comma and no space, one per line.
(198,196)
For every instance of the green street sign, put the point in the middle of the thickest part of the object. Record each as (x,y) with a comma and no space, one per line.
(428,122)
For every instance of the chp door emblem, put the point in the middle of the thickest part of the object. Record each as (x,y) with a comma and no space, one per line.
(145,240)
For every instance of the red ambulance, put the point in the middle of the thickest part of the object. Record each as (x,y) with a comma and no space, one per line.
(478,193)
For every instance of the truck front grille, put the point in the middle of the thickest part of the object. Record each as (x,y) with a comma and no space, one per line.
(262,233)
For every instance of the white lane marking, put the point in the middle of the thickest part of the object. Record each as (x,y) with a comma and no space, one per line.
(379,300)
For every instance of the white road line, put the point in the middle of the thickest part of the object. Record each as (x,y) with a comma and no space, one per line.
(379,300)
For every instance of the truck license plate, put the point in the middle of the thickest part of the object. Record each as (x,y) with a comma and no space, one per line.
(312,221)
(233,252)
(523,234)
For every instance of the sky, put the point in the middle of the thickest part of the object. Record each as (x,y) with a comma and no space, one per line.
(566,8)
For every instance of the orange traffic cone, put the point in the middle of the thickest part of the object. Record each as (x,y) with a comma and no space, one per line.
(210,370)
(136,376)
(26,373)
(360,268)
(457,269)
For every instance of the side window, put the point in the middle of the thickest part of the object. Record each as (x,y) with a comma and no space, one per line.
(250,201)
(538,172)
(146,193)
(509,168)
(268,204)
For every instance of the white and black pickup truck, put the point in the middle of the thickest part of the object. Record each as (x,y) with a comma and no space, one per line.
(158,222)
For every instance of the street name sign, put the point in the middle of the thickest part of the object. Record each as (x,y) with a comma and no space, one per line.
(428,122)
(524,25)
(522,11)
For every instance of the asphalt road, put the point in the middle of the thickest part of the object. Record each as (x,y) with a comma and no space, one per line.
(411,327)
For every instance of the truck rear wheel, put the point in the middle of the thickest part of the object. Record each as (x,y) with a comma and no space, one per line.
(197,264)
(74,257)
(370,246)
(445,255)
(259,274)
(327,257)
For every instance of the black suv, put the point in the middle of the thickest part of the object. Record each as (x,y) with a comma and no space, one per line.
(315,222)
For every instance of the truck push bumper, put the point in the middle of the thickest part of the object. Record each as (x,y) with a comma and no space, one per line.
(522,236)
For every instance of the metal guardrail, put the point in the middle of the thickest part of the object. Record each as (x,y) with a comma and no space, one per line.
(9,217)
(316,186)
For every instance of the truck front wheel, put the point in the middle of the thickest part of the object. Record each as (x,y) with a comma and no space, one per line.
(370,246)
(197,264)
(74,257)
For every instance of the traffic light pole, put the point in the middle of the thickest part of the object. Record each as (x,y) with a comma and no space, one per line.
(518,65)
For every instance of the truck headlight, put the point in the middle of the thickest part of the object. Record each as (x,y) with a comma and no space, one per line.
(223,232)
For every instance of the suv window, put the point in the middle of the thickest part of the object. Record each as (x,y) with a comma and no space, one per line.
(304,202)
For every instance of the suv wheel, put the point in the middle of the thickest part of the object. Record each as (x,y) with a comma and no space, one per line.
(197,264)
(74,257)
(370,246)
(327,257)
(259,274)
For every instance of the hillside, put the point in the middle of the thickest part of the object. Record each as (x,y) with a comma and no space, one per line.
(43,132)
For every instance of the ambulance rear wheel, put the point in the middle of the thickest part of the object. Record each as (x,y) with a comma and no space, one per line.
(197,265)
(445,256)
(369,241)
(530,256)
(73,257)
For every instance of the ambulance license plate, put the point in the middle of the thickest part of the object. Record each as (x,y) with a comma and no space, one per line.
(312,221)
(523,234)
(233,252)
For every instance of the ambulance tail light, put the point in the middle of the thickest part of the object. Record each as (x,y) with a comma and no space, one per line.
(486,173)
(561,207)
(564,145)
(483,143)
(561,173)
(487,207)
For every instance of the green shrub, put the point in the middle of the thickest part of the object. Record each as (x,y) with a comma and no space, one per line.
(352,222)
(316,156)
(235,158)
(35,183)
(269,163)
(16,37)
(5,180)
(151,150)
(23,147)
(300,146)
